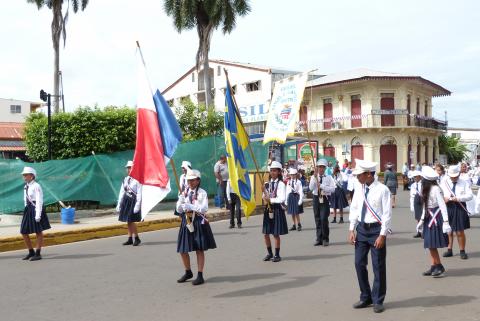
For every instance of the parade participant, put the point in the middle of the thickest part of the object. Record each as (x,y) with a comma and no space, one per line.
(416,198)
(405,176)
(128,205)
(186,165)
(235,206)
(345,164)
(294,199)
(390,180)
(351,179)
(440,172)
(465,174)
(370,216)
(195,233)
(321,186)
(274,219)
(34,218)
(338,199)
(434,220)
(456,192)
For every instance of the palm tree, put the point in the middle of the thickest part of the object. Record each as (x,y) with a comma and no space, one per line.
(59,23)
(451,146)
(206,16)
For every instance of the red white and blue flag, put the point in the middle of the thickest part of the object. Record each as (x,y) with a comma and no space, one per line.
(158,135)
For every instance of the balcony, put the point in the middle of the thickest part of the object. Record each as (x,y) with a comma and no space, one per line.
(374,120)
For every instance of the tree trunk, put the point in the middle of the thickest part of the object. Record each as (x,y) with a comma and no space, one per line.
(57,23)
(207,80)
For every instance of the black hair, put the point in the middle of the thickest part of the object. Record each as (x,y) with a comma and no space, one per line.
(426,188)
(280,176)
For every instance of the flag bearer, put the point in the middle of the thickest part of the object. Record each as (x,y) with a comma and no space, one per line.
(434,220)
(416,198)
(294,198)
(195,233)
(128,206)
(34,219)
(457,192)
(322,186)
(274,220)
(370,215)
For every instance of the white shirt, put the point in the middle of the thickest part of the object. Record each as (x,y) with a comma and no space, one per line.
(132,186)
(435,199)
(415,188)
(221,169)
(379,198)
(467,178)
(199,201)
(183,183)
(477,202)
(327,185)
(229,190)
(294,186)
(463,192)
(280,197)
(338,179)
(35,195)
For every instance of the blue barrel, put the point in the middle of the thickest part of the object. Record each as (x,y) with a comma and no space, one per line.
(68,215)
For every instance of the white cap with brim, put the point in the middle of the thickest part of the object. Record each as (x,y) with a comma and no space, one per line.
(429,173)
(275,164)
(414,174)
(322,162)
(453,171)
(362,166)
(193,174)
(292,171)
(29,170)
(129,164)
(186,165)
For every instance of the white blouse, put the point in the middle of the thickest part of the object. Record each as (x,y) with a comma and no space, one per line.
(435,199)
(199,202)
(295,186)
(133,186)
(35,195)
(280,197)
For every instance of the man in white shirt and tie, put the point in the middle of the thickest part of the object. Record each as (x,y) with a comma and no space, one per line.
(370,216)
(325,185)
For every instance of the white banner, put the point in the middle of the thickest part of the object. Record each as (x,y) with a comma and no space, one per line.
(284,106)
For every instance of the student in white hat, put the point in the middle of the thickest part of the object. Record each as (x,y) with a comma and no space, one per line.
(274,219)
(34,218)
(322,186)
(456,193)
(294,198)
(129,205)
(434,220)
(195,233)
(186,165)
(370,217)
(416,198)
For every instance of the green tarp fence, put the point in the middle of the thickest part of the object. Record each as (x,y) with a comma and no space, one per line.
(98,178)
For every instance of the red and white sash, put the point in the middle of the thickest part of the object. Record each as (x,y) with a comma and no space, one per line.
(370,208)
(434,216)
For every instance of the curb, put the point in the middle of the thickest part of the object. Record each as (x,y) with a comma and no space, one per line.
(64,237)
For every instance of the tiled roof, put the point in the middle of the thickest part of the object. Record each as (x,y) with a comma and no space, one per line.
(11,131)
(12,145)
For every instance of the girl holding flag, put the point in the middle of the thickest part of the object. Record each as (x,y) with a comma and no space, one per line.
(294,199)
(195,233)
(434,220)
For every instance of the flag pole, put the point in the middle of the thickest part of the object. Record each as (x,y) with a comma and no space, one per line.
(172,163)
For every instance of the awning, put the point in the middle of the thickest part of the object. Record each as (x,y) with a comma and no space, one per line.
(12,146)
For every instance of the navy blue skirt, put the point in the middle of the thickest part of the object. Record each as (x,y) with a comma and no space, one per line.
(29,225)
(201,239)
(458,217)
(417,207)
(293,207)
(276,226)
(126,210)
(338,199)
(434,238)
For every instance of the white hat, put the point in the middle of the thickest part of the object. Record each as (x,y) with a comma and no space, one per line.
(322,162)
(29,170)
(429,173)
(292,171)
(193,174)
(275,164)
(415,173)
(362,166)
(129,164)
(186,165)
(453,171)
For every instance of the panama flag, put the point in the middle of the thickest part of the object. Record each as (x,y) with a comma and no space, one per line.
(158,135)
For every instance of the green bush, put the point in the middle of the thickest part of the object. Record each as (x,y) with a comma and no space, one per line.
(198,121)
(79,133)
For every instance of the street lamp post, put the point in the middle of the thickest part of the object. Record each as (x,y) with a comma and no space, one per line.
(47,97)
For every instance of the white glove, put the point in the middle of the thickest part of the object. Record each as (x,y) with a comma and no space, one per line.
(286,203)
(188,207)
(299,203)
(37,218)
(181,198)
(136,210)
(446,228)
(420,226)
(117,209)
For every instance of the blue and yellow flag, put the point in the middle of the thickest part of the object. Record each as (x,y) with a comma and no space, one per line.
(236,142)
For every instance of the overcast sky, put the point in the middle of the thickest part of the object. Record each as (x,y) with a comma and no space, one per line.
(438,40)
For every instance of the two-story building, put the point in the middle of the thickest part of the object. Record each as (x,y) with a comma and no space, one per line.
(378,116)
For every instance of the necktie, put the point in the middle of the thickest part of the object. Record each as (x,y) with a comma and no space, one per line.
(416,187)
(364,207)
(454,185)
(190,197)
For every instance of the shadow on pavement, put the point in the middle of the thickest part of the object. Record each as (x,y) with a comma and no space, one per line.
(230,233)
(430,301)
(252,226)
(158,243)
(6,257)
(297,282)
(243,278)
(463,272)
(76,256)
(313,257)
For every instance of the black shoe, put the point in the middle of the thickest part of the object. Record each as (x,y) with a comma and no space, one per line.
(294,228)
(187,276)
(326,243)
(232,226)
(239,225)
(318,243)
(276,258)
(334,220)
(29,256)
(416,236)
(438,271)
(199,280)
(36,257)
(128,242)
(341,221)
(362,304)
(137,242)
(463,255)
(268,257)
(299,228)
(378,308)
(448,253)
(429,271)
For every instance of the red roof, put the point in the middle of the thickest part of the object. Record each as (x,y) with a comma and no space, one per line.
(12,131)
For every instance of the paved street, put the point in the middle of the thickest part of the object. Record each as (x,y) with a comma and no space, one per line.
(102,280)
